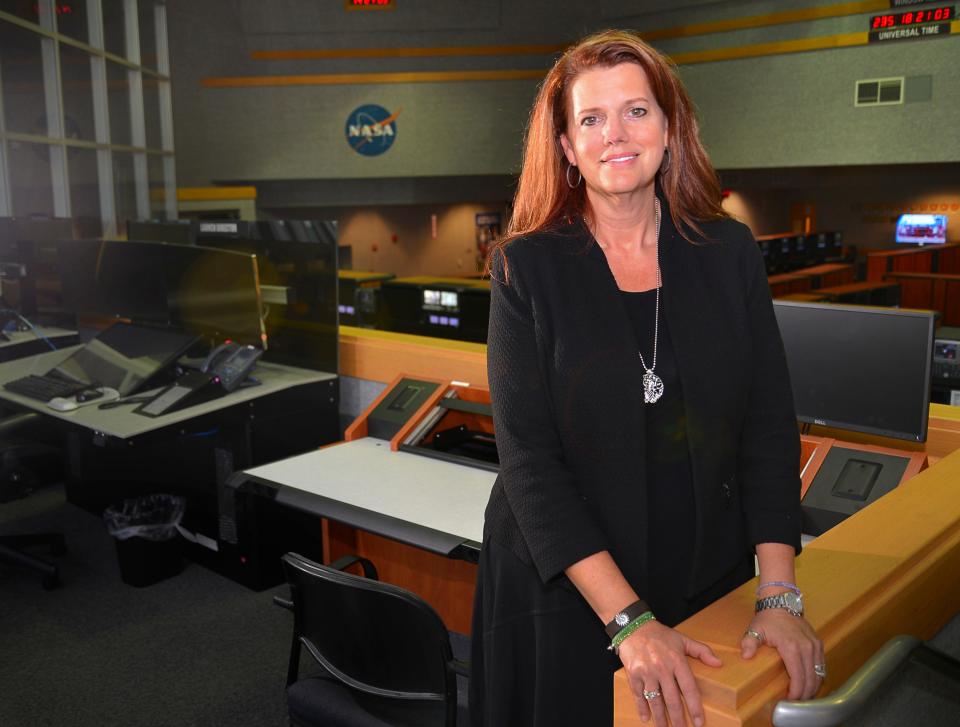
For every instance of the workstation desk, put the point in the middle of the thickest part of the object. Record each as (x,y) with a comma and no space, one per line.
(115,453)
(29,343)
(426,503)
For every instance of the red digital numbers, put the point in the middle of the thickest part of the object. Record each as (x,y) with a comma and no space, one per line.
(913,17)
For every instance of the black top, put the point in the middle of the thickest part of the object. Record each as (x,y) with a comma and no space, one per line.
(670,502)
(564,382)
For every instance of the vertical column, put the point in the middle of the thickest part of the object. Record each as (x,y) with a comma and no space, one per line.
(166,111)
(6,201)
(138,130)
(101,120)
(53,99)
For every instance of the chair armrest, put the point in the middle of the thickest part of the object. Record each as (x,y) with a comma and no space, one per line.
(369,569)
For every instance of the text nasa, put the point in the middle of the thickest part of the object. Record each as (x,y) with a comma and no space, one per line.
(369,130)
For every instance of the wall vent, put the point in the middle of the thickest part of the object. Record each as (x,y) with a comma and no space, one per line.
(879,92)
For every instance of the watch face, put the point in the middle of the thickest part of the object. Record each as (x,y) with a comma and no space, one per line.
(793,601)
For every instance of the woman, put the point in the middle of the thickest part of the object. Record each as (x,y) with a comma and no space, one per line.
(644,417)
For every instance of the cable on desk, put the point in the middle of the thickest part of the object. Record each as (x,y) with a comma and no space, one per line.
(30,326)
(128,400)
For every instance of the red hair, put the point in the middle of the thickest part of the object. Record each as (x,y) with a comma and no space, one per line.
(544,199)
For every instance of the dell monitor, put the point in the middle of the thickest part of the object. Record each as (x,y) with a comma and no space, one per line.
(922,229)
(865,369)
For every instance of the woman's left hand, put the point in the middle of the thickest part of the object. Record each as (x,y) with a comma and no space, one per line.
(796,642)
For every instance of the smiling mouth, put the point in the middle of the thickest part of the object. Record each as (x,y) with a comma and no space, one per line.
(619,159)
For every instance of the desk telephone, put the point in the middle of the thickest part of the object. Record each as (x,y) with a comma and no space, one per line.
(223,371)
(231,363)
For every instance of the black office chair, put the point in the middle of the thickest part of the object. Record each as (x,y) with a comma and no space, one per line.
(386,656)
(16,478)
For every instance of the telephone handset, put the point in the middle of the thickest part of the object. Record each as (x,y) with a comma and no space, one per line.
(222,371)
(231,363)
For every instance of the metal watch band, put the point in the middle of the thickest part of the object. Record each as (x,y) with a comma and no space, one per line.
(789,601)
(625,616)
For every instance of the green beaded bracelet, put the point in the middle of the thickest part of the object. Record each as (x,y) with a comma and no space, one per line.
(629,629)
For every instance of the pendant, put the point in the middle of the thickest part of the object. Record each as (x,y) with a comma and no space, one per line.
(652,387)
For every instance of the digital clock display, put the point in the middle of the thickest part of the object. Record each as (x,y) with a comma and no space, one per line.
(913,17)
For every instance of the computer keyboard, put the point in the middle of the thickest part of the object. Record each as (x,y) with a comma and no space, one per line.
(44,388)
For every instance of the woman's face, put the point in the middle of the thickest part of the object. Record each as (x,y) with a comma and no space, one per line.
(616,132)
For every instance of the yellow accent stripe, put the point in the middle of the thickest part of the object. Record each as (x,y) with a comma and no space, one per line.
(444,51)
(800,45)
(194,194)
(332,79)
(763,21)
(783,47)
(684,31)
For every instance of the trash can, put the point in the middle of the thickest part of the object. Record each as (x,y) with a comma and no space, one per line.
(145,531)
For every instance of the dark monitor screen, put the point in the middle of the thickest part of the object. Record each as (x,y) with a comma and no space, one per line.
(178,232)
(300,276)
(115,279)
(125,356)
(212,292)
(217,293)
(866,369)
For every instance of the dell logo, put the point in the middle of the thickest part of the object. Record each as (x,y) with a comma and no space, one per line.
(821,422)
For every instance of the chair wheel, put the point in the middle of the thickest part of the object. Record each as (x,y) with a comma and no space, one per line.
(50,582)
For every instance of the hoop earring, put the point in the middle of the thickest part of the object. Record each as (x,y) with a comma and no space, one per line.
(665,164)
(579,177)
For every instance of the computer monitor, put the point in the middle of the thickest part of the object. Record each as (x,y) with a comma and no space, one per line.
(216,293)
(297,261)
(211,292)
(922,229)
(125,356)
(178,232)
(28,256)
(865,369)
(115,279)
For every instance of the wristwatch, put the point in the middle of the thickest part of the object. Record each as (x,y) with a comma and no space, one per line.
(792,602)
(618,622)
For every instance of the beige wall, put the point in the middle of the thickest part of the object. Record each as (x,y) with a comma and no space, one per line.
(862,202)
(400,240)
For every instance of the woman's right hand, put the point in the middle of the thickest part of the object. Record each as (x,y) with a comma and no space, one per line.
(655,659)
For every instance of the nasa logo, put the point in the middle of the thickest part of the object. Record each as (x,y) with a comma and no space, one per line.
(371,129)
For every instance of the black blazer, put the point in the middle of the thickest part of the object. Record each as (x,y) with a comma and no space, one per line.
(565,384)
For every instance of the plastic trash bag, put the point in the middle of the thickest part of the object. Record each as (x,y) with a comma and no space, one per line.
(154,517)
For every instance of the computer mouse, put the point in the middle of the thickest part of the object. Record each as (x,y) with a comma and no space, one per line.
(88,395)
(58,403)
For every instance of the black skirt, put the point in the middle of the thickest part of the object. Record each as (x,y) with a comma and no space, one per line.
(539,653)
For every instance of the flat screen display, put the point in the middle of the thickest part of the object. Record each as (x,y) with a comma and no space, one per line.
(125,356)
(866,369)
(208,291)
(922,229)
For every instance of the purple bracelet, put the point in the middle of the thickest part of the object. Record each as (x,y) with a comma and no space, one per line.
(782,584)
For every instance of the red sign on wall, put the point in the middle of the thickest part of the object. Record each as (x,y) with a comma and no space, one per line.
(369,4)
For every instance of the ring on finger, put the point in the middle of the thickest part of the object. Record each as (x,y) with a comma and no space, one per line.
(651,694)
(820,670)
(755,634)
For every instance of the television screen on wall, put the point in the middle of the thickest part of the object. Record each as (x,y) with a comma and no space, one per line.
(922,229)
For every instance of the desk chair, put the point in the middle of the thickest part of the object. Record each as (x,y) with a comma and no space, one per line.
(387,658)
(13,452)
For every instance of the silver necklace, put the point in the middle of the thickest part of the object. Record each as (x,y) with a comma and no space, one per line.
(652,384)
